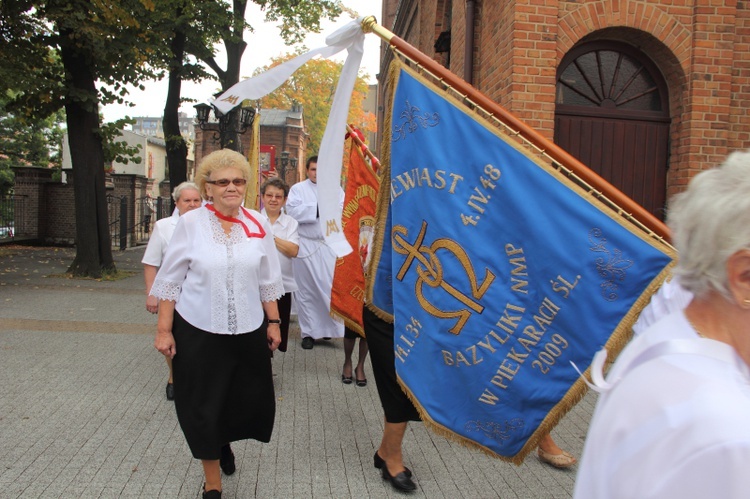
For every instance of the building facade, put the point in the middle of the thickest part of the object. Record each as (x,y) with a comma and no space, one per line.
(152,152)
(645,93)
(152,127)
(283,142)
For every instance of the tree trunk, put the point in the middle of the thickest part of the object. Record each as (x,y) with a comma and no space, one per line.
(176,146)
(235,47)
(93,243)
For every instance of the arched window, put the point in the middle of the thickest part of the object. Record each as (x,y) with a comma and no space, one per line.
(612,113)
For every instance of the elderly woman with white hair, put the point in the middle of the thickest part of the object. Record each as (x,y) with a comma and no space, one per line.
(673,415)
(186,197)
(220,274)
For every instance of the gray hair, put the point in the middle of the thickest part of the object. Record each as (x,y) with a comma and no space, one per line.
(710,222)
(178,190)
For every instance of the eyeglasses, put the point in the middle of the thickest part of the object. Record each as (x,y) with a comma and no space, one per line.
(223,182)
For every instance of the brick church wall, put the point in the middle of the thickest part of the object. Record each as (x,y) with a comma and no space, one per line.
(702,47)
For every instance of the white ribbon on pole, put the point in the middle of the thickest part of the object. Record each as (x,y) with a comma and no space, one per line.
(352,38)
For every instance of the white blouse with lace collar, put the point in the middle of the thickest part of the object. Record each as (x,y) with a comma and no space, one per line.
(220,280)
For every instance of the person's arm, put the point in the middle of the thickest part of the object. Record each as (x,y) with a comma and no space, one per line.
(289,244)
(273,331)
(151,261)
(164,341)
(271,285)
(149,274)
(287,248)
(301,207)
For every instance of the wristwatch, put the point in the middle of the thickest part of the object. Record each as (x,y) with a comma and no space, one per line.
(274,321)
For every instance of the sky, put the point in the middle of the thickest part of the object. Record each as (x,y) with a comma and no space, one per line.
(263,44)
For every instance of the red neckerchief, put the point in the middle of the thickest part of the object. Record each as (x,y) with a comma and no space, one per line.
(261,233)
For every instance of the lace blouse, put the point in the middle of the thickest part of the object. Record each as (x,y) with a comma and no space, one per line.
(220,280)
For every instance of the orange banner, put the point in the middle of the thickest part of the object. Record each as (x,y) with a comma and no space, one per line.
(358,222)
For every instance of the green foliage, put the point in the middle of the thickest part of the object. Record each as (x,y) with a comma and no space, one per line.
(27,142)
(113,36)
(118,150)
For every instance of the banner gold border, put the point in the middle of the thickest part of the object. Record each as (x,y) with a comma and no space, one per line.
(619,337)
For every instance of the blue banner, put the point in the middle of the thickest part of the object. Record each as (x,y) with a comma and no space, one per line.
(497,272)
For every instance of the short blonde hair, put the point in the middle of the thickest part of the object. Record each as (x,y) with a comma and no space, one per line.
(218,160)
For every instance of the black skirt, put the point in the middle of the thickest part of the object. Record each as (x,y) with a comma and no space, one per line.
(396,405)
(223,387)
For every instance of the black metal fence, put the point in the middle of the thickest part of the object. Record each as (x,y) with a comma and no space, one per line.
(134,218)
(12,217)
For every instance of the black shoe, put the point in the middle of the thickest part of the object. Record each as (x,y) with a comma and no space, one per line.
(379,462)
(170,391)
(226,461)
(400,482)
(308,343)
(212,494)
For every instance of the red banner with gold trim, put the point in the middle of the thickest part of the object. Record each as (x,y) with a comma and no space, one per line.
(358,222)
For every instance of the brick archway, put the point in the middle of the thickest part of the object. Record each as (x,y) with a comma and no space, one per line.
(595,16)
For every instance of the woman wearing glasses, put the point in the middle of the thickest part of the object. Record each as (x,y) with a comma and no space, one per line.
(220,274)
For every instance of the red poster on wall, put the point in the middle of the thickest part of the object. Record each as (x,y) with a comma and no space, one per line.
(267,158)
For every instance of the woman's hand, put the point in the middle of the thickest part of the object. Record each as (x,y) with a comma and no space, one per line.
(152,304)
(273,333)
(164,342)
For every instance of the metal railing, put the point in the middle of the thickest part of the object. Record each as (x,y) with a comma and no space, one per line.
(134,219)
(13,217)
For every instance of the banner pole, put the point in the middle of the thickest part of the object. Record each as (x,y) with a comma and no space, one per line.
(625,203)
(363,147)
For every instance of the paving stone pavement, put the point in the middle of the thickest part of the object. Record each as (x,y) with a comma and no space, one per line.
(83,412)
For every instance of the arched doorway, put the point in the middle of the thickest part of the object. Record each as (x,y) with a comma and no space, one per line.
(612,113)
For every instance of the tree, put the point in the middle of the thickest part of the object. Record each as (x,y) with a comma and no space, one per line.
(193,28)
(27,142)
(189,26)
(298,17)
(314,86)
(57,52)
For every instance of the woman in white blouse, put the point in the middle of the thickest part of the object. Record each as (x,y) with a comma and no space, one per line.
(186,197)
(220,274)
(274,192)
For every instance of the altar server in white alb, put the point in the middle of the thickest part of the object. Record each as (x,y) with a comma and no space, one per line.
(673,417)
(315,262)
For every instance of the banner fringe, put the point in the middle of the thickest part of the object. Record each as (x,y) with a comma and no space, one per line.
(383,196)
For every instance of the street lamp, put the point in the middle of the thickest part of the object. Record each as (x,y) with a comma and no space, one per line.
(203,111)
(286,160)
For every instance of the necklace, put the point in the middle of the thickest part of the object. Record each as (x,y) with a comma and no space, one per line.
(695,328)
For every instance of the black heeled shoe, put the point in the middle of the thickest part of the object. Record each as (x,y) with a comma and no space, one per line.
(400,482)
(226,461)
(211,494)
(379,462)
